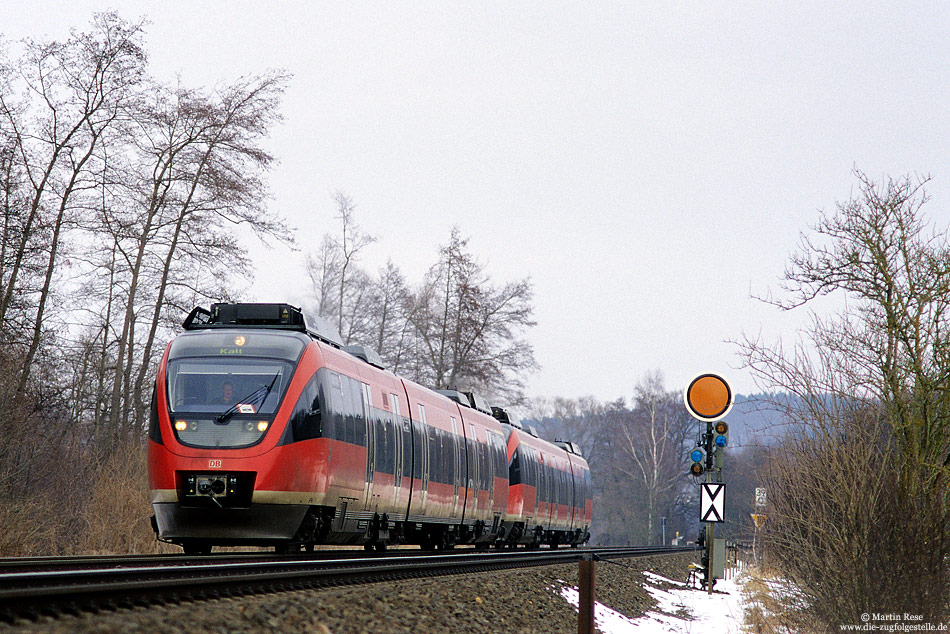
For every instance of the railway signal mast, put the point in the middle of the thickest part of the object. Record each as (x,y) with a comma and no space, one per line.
(709,398)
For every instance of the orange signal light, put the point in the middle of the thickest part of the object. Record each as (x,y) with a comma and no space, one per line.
(708,397)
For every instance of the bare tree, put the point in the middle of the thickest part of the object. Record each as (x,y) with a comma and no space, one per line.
(198,177)
(468,330)
(122,202)
(390,305)
(73,92)
(457,329)
(862,489)
(341,287)
(584,421)
(91,79)
(651,446)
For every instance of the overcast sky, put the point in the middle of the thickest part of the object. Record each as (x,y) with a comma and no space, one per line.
(648,165)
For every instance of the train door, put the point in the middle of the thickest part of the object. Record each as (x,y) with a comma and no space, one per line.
(473,469)
(423,441)
(397,447)
(542,489)
(572,494)
(367,407)
(455,461)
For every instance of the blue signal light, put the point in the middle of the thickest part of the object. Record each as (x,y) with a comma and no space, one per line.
(696,455)
(721,441)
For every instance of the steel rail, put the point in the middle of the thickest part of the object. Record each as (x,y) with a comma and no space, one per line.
(31,593)
(33,564)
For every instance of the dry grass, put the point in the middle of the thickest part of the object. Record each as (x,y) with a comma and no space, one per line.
(110,515)
(773,606)
(27,527)
(116,516)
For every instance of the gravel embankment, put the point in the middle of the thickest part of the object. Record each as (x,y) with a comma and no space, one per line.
(511,601)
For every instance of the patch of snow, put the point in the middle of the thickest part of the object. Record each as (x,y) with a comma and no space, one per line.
(719,612)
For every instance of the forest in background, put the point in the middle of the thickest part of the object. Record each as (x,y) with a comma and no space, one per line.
(124,202)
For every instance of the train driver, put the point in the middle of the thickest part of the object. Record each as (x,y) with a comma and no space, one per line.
(227,394)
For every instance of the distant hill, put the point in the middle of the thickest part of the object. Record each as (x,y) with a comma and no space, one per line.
(753,421)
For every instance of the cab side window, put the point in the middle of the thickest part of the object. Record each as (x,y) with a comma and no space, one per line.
(307,416)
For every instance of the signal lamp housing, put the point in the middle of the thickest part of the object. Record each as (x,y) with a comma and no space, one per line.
(697,468)
(722,433)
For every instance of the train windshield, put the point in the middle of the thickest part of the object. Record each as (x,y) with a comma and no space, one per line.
(225,402)
(222,385)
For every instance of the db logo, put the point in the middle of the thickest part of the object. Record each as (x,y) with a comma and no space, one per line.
(214,464)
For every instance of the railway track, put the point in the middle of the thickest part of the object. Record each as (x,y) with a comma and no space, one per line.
(33,587)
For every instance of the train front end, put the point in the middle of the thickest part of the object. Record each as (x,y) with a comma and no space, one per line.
(219,469)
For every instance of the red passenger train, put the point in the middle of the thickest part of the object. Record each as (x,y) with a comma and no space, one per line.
(265,430)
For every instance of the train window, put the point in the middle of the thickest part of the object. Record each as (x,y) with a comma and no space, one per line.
(307,416)
(385,449)
(333,423)
(344,417)
(154,430)
(395,403)
(213,385)
(406,449)
(392,433)
(224,402)
(564,498)
(418,444)
(499,456)
(494,446)
(356,431)
(527,466)
(435,452)
(545,484)
(472,457)
(453,457)
(357,403)
(535,469)
(514,468)
(448,456)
